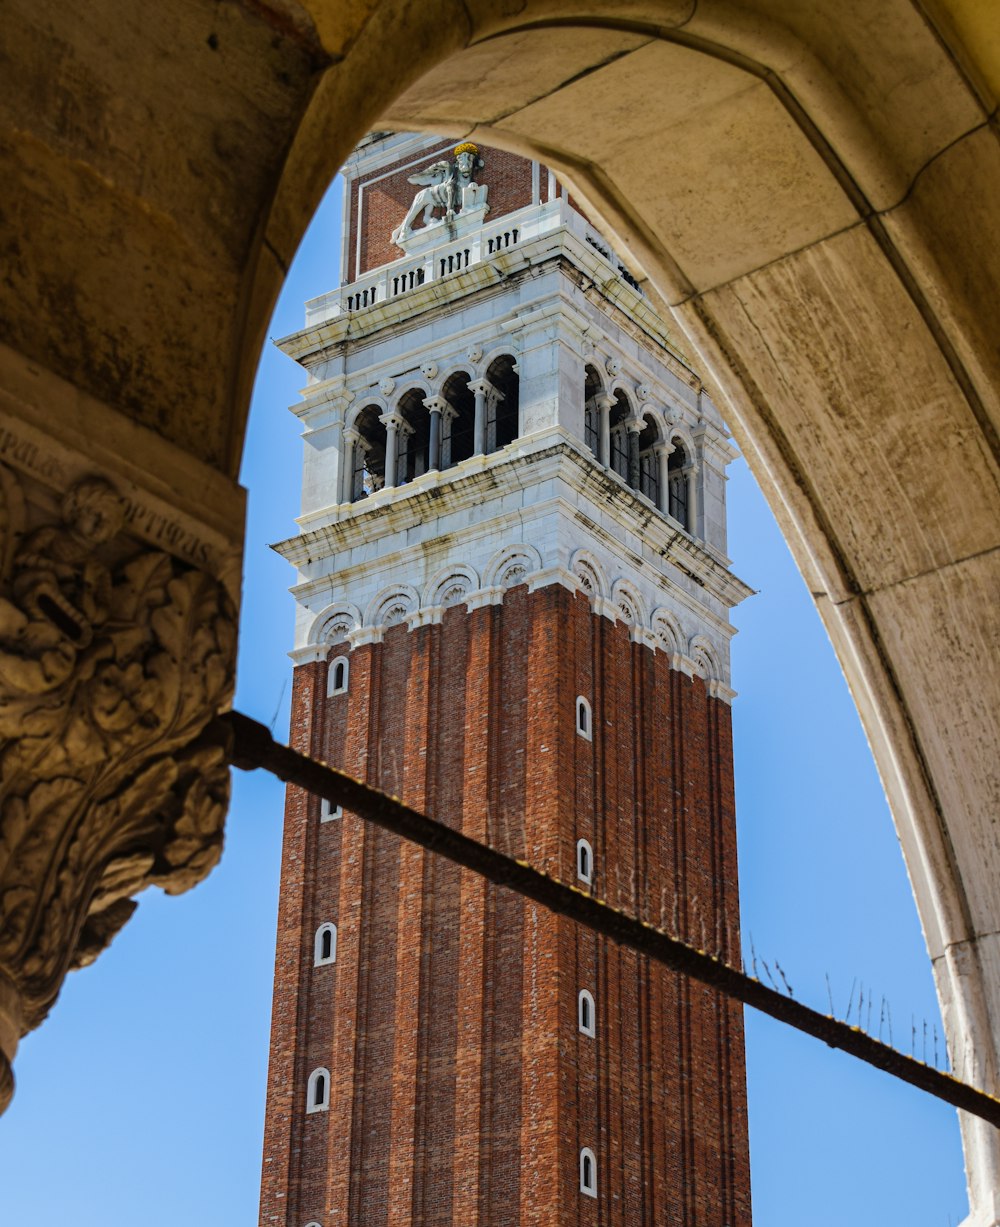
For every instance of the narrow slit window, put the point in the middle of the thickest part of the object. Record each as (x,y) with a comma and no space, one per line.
(585,1013)
(318,1092)
(588,1172)
(325,945)
(337,677)
(328,812)
(584,861)
(584,722)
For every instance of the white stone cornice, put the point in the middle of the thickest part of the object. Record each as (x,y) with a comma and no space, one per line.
(484,596)
(534,461)
(309,653)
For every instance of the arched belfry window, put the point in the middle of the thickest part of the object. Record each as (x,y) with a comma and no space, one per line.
(337,675)
(318,1091)
(368,474)
(458,425)
(584,719)
(584,861)
(588,1172)
(585,1013)
(649,462)
(677,476)
(502,403)
(413,445)
(325,945)
(621,411)
(591,410)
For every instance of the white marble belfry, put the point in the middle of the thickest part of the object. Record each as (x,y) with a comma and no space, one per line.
(505,406)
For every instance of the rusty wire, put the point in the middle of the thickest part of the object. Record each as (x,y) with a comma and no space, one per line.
(252,746)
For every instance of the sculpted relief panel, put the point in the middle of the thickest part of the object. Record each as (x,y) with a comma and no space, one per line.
(113,659)
(449,186)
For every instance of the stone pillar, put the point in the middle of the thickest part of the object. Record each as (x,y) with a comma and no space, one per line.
(351,438)
(691,473)
(634,426)
(436,405)
(480,387)
(663,452)
(117,650)
(392,423)
(604,403)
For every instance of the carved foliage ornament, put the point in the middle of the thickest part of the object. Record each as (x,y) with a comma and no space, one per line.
(113,659)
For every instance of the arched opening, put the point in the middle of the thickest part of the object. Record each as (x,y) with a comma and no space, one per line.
(458,432)
(325,944)
(502,405)
(621,412)
(318,1091)
(368,468)
(584,861)
(586,1018)
(413,448)
(725,335)
(584,722)
(592,386)
(588,1172)
(649,461)
(338,674)
(677,478)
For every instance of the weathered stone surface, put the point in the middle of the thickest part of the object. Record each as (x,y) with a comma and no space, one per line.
(161,170)
(112,659)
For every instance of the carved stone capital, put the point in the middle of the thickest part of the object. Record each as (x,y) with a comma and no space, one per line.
(117,649)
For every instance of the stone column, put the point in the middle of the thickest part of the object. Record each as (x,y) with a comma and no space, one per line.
(351,438)
(634,426)
(691,473)
(480,387)
(604,403)
(392,423)
(117,649)
(663,452)
(436,405)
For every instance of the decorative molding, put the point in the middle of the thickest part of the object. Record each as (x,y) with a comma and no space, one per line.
(113,660)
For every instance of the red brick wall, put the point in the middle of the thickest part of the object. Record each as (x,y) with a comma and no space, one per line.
(386,201)
(462,1088)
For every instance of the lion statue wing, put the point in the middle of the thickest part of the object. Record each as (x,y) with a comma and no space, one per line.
(431,176)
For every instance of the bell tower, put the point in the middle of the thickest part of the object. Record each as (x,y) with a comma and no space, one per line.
(513,598)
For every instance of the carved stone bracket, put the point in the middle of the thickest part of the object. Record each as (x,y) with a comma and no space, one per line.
(113,659)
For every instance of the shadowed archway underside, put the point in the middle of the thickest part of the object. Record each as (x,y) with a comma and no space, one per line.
(812,192)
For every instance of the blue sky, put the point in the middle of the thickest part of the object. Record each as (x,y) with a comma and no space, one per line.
(141,1099)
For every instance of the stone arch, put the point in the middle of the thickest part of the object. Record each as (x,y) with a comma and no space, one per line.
(334,623)
(668,632)
(770,294)
(458,432)
(511,566)
(590,574)
(503,414)
(451,585)
(628,604)
(367,475)
(705,658)
(392,605)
